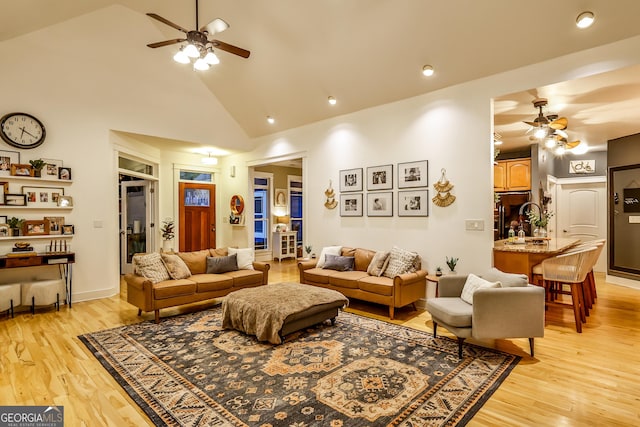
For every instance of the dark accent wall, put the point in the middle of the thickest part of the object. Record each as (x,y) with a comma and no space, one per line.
(561,164)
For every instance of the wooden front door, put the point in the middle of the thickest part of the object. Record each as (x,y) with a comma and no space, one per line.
(197,216)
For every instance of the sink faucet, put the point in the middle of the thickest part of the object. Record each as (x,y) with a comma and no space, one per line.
(526,204)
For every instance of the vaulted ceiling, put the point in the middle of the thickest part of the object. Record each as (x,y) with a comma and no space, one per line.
(364,52)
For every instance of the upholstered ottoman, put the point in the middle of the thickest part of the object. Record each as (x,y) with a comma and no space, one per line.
(9,297)
(270,312)
(43,292)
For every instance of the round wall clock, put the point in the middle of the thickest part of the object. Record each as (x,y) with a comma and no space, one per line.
(22,130)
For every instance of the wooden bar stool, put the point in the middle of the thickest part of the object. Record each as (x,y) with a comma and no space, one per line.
(569,269)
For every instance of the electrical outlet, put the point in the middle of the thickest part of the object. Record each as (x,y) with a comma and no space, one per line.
(473,224)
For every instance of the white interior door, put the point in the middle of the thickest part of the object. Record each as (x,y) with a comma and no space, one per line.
(136,234)
(582,214)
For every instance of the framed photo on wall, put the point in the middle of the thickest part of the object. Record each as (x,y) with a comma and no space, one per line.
(35,228)
(68,229)
(350,180)
(380,178)
(15,200)
(18,169)
(413,174)
(413,203)
(4,189)
(55,224)
(380,204)
(6,159)
(280,197)
(351,204)
(64,173)
(51,167)
(42,197)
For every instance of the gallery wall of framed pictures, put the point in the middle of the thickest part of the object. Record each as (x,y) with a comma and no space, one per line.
(405,196)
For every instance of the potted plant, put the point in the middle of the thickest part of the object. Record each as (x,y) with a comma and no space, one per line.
(308,249)
(168,233)
(15,224)
(438,271)
(539,222)
(37,167)
(451,263)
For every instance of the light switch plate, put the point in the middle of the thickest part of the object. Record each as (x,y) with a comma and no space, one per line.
(474,224)
(634,219)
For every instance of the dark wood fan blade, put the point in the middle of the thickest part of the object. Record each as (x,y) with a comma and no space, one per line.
(165,43)
(230,48)
(166,21)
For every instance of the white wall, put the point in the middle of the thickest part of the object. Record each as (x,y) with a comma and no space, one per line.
(451,128)
(82,93)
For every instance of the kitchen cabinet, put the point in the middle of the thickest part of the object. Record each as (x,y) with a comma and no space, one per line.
(284,244)
(512,175)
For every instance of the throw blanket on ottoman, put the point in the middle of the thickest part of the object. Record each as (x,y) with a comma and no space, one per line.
(262,311)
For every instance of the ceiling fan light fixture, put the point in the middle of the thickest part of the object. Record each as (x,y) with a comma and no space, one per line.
(560,150)
(201,65)
(540,132)
(332,100)
(428,70)
(585,19)
(549,142)
(192,51)
(581,148)
(211,58)
(181,57)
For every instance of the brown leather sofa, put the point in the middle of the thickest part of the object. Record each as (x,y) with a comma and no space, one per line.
(397,292)
(148,296)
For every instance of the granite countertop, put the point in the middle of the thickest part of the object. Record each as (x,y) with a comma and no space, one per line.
(550,246)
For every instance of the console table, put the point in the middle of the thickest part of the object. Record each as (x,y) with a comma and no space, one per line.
(64,261)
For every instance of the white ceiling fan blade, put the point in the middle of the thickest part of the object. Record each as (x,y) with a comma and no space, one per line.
(216,26)
(562,133)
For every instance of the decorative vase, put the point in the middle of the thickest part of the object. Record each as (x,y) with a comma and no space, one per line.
(540,232)
(167,245)
(37,173)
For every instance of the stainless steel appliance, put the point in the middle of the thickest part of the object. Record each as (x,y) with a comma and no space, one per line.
(507,211)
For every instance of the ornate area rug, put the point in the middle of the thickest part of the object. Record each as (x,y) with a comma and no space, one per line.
(188,371)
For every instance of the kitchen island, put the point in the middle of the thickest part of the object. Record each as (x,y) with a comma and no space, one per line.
(520,258)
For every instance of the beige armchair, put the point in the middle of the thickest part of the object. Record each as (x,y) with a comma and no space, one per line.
(516,311)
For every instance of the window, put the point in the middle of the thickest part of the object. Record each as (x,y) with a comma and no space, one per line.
(195,176)
(295,203)
(261,213)
(135,166)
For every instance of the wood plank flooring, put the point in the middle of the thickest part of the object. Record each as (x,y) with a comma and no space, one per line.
(575,379)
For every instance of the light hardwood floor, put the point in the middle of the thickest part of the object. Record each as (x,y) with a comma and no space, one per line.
(575,379)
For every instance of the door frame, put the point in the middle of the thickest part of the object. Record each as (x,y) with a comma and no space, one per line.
(149,226)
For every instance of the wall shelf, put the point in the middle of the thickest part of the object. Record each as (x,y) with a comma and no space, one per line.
(35,208)
(41,237)
(31,180)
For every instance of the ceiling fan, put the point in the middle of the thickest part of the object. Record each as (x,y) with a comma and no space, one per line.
(551,129)
(199,46)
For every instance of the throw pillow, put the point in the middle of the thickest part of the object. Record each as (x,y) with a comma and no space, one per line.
(474,283)
(222,264)
(195,260)
(507,280)
(331,250)
(400,261)
(245,257)
(339,263)
(175,266)
(378,263)
(151,267)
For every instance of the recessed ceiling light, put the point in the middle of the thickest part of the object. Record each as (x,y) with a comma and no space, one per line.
(271,120)
(585,19)
(332,100)
(427,70)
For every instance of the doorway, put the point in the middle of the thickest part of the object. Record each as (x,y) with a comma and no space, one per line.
(197,214)
(136,224)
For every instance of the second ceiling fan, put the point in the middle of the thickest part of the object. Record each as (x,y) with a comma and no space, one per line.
(199,46)
(551,129)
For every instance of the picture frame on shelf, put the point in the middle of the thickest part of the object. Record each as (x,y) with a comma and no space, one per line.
(50,170)
(19,169)
(38,227)
(351,204)
(64,173)
(413,203)
(68,229)
(7,158)
(15,199)
(280,197)
(4,189)
(380,178)
(413,174)
(42,197)
(4,229)
(65,201)
(55,224)
(351,180)
(4,219)
(380,204)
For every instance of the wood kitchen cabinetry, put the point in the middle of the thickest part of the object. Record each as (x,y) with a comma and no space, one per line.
(512,175)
